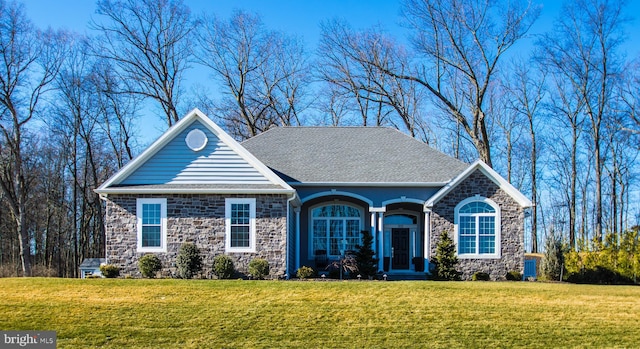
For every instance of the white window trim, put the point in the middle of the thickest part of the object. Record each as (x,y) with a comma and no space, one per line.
(163,224)
(498,227)
(312,252)
(252,224)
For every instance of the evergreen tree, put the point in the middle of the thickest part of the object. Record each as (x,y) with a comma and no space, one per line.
(552,259)
(367,265)
(446,259)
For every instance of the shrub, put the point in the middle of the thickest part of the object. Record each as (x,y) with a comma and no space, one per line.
(445,259)
(366,264)
(223,267)
(305,272)
(258,268)
(480,276)
(149,265)
(514,275)
(189,261)
(552,259)
(110,270)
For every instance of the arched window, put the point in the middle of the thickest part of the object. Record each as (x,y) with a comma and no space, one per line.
(335,227)
(477,221)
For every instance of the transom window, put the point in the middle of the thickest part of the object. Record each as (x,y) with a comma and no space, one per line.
(240,229)
(335,228)
(478,228)
(152,231)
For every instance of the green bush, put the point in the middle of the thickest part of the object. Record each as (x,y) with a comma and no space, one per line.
(445,259)
(480,276)
(258,268)
(189,261)
(514,275)
(223,267)
(305,272)
(149,265)
(110,270)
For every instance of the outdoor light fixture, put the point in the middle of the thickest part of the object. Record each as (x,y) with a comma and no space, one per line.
(385,277)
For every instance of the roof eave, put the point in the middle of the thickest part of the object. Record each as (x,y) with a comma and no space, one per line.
(107,191)
(369,184)
(522,200)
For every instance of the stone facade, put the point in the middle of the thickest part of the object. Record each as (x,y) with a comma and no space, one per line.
(512,226)
(197,218)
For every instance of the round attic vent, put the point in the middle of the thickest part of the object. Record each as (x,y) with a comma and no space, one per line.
(196,140)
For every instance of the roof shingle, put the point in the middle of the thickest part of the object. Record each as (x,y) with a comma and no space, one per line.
(351,155)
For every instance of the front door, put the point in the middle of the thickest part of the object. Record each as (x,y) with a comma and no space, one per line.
(400,248)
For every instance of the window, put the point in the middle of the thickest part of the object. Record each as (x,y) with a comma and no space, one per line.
(240,225)
(335,227)
(152,225)
(478,228)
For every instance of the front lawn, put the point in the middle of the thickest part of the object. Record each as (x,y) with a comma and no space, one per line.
(280,314)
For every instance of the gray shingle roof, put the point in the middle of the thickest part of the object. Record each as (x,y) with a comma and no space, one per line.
(351,155)
(89,263)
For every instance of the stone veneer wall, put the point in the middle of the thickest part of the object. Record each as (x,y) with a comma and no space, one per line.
(512,233)
(198,219)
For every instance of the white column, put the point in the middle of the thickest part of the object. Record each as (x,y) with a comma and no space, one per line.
(427,237)
(381,230)
(298,245)
(374,233)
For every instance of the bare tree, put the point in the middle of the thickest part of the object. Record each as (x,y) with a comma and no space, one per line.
(526,86)
(459,44)
(150,43)
(263,73)
(29,61)
(583,49)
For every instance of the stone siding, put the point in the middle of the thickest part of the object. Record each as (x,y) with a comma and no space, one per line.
(199,219)
(512,233)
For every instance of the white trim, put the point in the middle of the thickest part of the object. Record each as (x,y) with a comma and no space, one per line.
(333,192)
(163,224)
(252,224)
(126,190)
(402,200)
(172,132)
(522,200)
(377,209)
(498,229)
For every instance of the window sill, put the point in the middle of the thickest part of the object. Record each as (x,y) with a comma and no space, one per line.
(151,249)
(479,256)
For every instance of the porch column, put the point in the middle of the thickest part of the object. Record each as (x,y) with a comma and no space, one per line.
(427,237)
(377,216)
(298,245)
(381,230)
(374,233)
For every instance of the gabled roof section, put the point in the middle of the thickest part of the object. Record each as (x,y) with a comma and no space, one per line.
(522,200)
(366,156)
(218,165)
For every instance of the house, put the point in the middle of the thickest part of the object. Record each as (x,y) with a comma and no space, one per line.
(91,267)
(299,195)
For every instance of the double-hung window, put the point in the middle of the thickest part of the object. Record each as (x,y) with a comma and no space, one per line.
(152,225)
(478,228)
(240,225)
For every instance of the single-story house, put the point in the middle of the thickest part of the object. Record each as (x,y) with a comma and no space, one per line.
(298,195)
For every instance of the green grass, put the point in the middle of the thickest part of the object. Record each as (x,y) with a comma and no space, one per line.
(276,314)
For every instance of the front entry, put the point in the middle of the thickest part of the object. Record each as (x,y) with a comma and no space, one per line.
(400,242)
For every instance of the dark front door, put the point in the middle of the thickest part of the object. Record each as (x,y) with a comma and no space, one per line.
(400,245)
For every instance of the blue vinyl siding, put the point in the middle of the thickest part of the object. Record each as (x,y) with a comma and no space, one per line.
(175,163)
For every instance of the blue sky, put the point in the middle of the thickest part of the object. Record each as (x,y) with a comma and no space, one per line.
(297,17)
